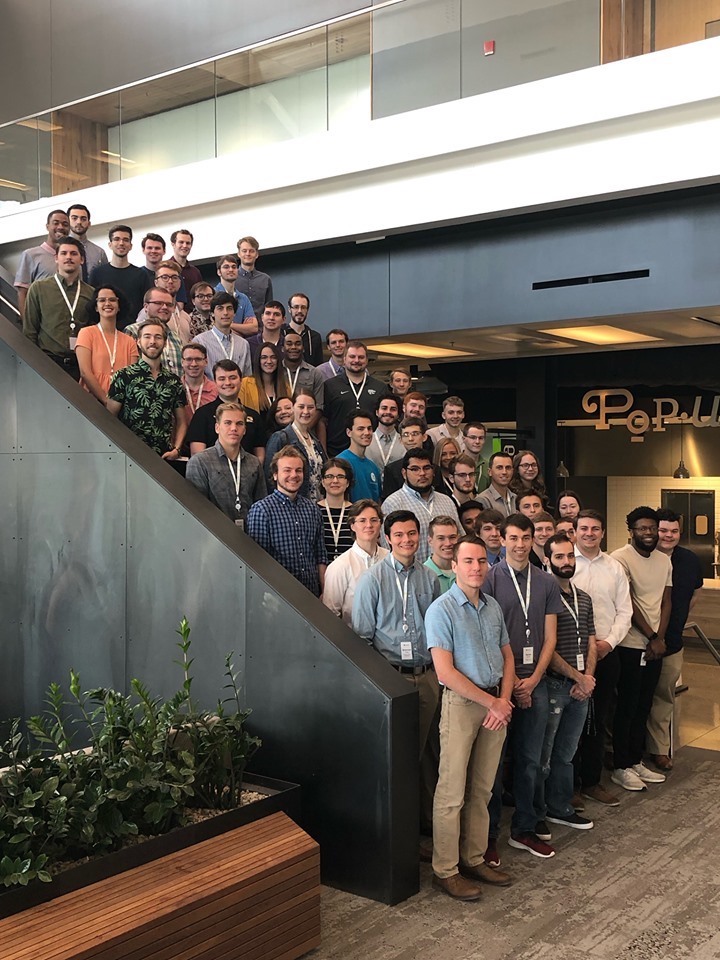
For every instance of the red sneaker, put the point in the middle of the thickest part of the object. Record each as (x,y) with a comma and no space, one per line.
(533,844)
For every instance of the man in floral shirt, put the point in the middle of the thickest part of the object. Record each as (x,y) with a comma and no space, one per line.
(148,399)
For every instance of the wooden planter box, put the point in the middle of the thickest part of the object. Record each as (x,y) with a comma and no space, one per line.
(250,892)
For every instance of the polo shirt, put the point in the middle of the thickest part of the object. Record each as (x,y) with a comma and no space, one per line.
(148,403)
(340,400)
(568,646)
(544,600)
(202,427)
(446,577)
(94,255)
(36,263)
(474,635)
(366,482)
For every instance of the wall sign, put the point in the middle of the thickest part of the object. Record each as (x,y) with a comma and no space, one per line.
(610,405)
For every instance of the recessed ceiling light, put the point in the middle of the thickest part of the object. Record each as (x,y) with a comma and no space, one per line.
(420,350)
(13,185)
(601,335)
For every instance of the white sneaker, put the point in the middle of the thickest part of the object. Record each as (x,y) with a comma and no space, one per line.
(627,778)
(648,775)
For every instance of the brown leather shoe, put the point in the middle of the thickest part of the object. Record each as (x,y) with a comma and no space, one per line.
(426,849)
(458,887)
(577,802)
(486,874)
(662,761)
(598,793)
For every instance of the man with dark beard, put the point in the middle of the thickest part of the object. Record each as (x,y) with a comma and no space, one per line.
(570,684)
(650,574)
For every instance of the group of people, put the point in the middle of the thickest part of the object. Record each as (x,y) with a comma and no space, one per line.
(526,642)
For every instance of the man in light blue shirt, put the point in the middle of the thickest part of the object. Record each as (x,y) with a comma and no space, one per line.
(220,342)
(471,651)
(389,607)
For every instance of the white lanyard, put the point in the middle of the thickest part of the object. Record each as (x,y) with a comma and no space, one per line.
(290,380)
(381,444)
(524,603)
(236,481)
(72,308)
(403,591)
(192,406)
(426,508)
(332,367)
(220,336)
(112,354)
(575,614)
(335,530)
(307,443)
(362,387)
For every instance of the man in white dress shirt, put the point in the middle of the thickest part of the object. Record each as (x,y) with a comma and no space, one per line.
(341,576)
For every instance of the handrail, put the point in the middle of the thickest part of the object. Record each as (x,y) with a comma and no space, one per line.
(704,639)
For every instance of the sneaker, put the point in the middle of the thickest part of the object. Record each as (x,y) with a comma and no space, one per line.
(458,887)
(533,845)
(492,857)
(599,794)
(626,778)
(542,830)
(573,820)
(646,774)
(577,802)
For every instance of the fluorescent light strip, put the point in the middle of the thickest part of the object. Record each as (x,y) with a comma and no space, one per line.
(420,351)
(600,335)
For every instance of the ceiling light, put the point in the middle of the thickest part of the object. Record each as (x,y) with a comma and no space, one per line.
(37,124)
(421,350)
(116,156)
(13,185)
(601,335)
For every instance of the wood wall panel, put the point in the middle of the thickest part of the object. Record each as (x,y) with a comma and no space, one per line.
(77,158)
(682,21)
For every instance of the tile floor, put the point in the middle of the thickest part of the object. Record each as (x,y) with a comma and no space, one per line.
(698,708)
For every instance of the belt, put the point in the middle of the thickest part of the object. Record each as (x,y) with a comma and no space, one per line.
(412,671)
(559,676)
(493,691)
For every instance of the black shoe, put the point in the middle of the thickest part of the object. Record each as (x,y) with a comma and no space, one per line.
(542,830)
(573,820)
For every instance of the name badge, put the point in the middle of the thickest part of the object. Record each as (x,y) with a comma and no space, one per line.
(580,662)
(73,342)
(240,523)
(406,650)
(643,661)
(527,656)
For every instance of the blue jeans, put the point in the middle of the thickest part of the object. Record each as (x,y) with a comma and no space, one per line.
(566,719)
(528,732)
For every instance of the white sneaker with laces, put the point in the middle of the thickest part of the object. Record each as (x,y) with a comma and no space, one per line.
(647,775)
(627,778)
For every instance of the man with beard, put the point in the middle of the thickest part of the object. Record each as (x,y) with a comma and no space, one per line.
(37,263)
(386,446)
(149,400)
(79,217)
(351,389)
(570,684)
(299,304)
(641,651)
(417,495)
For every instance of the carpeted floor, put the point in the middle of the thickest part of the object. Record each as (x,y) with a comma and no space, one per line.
(643,884)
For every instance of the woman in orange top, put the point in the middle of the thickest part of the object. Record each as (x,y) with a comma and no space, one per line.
(101,348)
(267,383)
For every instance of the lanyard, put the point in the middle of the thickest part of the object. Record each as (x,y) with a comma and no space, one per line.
(575,614)
(72,308)
(426,508)
(220,338)
(332,367)
(335,530)
(382,444)
(290,380)
(236,481)
(403,591)
(358,392)
(192,406)
(112,353)
(524,603)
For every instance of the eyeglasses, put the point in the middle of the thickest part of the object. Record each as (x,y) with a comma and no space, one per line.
(464,476)
(411,434)
(334,476)
(425,468)
(203,296)
(158,303)
(645,528)
(167,276)
(107,300)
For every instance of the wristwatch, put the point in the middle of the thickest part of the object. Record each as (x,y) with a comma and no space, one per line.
(653,636)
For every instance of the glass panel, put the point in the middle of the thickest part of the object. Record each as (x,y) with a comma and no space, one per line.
(349,72)
(416,56)
(81,155)
(165,123)
(273,93)
(532,39)
(19,174)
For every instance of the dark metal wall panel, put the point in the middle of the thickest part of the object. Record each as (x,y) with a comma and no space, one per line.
(8,400)
(99,46)
(71,569)
(305,691)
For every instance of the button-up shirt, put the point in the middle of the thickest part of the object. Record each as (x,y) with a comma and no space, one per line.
(307,378)
(342,576)
(385,448)
(442,432)
(291,531)
(244,309)
(474,635)
(172,351)
(605,581)
(257,286)
(148,403)
(377,613)
(94,255)
(329,369)
(211,473)
(47,316)
(504,503)
(436,505)
(223,346)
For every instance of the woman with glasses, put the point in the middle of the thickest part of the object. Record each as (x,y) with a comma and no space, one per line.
(341,576)
(298,434)
(446,451)
(267,383)
(337,478)
(527,476)
(102,348)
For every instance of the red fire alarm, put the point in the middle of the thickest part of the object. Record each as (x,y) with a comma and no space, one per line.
(489,48)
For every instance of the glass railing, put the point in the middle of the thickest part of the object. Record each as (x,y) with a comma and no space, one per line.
(400,57)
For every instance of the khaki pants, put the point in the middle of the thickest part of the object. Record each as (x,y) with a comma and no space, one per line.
(658,725)
(469,757)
